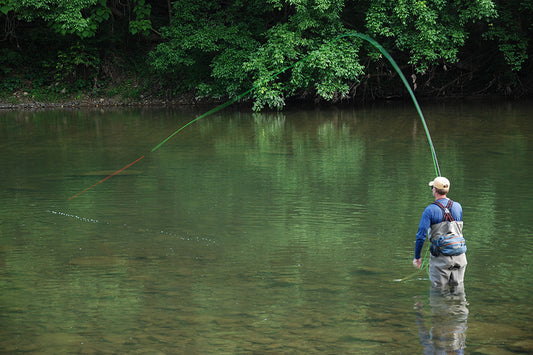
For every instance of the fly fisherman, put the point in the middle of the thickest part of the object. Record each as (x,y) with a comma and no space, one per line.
(443,222)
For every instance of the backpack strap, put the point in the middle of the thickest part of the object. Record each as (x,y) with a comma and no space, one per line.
(446,210)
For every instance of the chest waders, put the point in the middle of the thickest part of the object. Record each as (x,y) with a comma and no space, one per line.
(447,268)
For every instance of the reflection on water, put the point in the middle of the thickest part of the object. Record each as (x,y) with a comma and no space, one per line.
(444,330)
(258,233)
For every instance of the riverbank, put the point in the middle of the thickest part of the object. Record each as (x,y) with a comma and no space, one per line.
(26,102)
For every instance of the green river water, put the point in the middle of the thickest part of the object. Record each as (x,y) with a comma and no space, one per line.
(273,233)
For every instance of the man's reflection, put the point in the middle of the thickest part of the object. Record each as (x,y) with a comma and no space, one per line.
(447,328)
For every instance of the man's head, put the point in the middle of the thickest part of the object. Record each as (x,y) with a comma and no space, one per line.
(441,185)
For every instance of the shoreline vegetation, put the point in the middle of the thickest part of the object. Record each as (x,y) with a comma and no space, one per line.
(26,102)
(94,102)
(197,52)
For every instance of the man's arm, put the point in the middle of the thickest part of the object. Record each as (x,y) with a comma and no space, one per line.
(425,223)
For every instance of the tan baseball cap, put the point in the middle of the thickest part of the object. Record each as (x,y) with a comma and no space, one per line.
(441,183)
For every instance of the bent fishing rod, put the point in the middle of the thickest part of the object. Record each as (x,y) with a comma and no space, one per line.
(265,81)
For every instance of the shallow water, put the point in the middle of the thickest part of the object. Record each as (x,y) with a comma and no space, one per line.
(260,233)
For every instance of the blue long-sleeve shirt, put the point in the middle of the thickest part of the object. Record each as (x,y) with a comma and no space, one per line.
(432,215)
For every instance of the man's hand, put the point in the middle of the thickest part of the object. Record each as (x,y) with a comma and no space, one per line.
(417,263)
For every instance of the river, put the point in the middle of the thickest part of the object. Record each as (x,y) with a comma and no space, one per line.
(270,233)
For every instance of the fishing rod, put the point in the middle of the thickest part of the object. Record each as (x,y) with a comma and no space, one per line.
(240,96)
(411,93)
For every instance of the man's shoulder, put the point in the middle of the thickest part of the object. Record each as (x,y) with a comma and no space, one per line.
(432,207)
(457,204)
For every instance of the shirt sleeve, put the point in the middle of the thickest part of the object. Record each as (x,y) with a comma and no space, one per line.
(457,211)
(425,223)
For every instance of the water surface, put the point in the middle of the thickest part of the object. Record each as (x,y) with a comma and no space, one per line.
(260,233)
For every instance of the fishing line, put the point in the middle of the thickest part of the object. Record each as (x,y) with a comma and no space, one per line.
(240,96)
(183,236)
(425,265)
(81,219)
(210,112)
(107,177)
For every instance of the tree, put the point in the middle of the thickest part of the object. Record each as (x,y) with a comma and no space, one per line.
(62,15)
(222,49)
(431,31)
(64,43)
(513,30)
(302,38)
(79,17)
(205,44)
(285,50)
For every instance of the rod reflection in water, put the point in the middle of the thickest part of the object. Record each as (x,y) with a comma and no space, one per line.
(446,332)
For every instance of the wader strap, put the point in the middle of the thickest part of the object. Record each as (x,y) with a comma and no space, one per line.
(446,210)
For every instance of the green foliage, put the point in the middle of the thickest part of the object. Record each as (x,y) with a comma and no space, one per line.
(278,53)
(512,29)
(9,85)
(82,18)
(141,23)
(77,66)
(430,30)
(217,50)
(326,71)
(204,46)
(285,50)
(6,6)
(328,68)
(64,16)
(221,50)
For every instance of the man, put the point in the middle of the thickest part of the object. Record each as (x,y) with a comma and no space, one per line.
(440,218)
